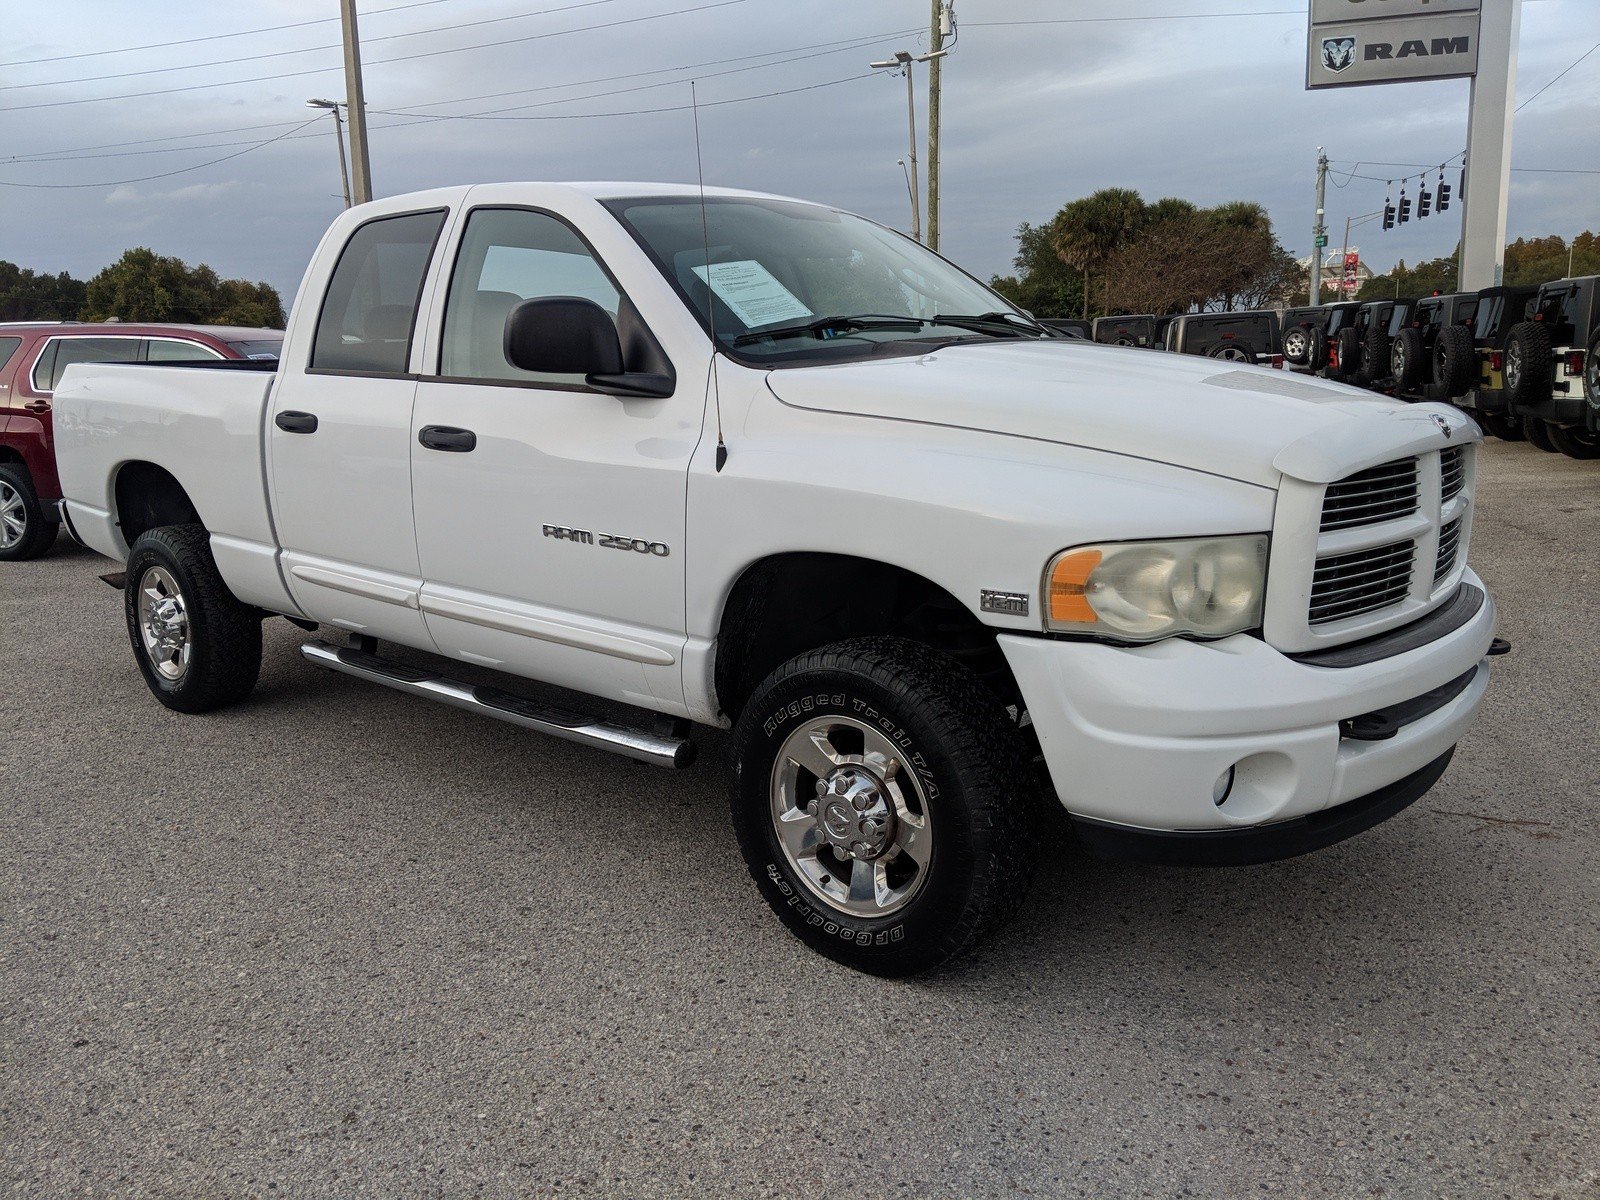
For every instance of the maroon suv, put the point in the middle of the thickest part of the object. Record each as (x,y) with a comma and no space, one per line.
(33,356)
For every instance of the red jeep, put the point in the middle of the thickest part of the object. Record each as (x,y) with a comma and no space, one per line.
(33,354)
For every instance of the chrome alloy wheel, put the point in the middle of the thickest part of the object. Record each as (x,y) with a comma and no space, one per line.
(1513,371)
(13,517)
(1297,345)
(164,624)
(851,817)
(1233,354)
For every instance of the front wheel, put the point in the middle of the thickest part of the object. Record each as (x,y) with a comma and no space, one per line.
(881,799)
(197,646)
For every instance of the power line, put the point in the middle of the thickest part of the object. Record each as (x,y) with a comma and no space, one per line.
(1265,12)
(164,174)
(532,37)
(1557,79)
(215,37)
(365,41)
(789,54)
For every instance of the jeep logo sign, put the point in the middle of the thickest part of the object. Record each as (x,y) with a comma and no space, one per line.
(1395,50)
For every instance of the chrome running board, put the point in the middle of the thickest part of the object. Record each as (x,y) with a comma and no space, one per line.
(637,744)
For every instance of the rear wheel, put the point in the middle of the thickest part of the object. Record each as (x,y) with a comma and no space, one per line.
(26,531)
(1406,360)
(1537,431)
(1233,352)
(1455,361)
(197,646)
(1374,356)
(1528,376)
(1297,345)
(880,801)
(1575,443)
(1501,426)
(1347,352)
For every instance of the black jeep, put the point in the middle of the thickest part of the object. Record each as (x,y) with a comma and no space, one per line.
(1242,337)
(1431,357)
(1550,375)
(1299,352)
(1341,356)
(1139,330)
(1067,327)
(1366,340)
(1498,310)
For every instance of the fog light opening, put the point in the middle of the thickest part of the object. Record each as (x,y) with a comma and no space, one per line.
(1221,789)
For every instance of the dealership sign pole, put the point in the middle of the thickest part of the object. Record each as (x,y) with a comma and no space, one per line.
(1356,42)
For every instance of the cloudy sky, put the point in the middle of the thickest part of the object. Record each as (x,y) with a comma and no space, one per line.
(1045,100)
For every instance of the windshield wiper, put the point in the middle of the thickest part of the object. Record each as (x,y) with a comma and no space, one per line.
(984,322)
(824,325)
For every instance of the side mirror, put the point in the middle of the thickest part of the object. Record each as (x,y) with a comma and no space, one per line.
(567,335)
(562,335)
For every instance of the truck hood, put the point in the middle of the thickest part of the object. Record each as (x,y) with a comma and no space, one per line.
(1251,424)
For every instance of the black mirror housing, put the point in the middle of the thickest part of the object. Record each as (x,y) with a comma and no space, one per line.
(563,335)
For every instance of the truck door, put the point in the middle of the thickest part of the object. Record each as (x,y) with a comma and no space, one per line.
(339,437)
(549,516)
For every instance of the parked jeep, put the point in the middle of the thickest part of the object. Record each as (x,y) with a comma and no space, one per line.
(33,355)
(1298,341)
(1340,357)
(1377,323)
(1549,376)
(1244,337)
(1499,309)
(1432,357)
(1081,330)
(1139,330)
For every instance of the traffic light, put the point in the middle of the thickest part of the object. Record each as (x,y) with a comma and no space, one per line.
(1388,216)
(1444,195)
(1405,208)
(1424,202)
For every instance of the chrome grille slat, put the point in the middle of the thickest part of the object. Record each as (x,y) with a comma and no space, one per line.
(1362,581)
(1379,493)
(1452,473)
(1449,545)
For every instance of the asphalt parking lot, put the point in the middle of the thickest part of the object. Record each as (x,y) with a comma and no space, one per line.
(340,942)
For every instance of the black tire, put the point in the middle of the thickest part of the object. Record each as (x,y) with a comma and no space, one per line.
(1239,352)
(223,636)
(1297,345)
(1317,350)
(26,529)
(1591,380)
(1528,365)
(1374,356)
(1455,361)
(1408,360)
(1537,431)
(1501,426)
(970,772)
(1347,349)
(1575,443)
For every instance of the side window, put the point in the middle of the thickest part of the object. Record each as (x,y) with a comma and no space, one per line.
(8,347)
(82,350)
(173,350)
(508,256)
(371,307)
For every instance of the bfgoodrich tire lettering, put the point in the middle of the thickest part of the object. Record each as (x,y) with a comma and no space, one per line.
(970,767)
(173,584)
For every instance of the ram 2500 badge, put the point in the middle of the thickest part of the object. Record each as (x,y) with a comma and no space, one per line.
(749,462)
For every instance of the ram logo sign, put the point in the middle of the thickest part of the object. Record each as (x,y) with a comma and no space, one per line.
(1338,53)
(1394,50)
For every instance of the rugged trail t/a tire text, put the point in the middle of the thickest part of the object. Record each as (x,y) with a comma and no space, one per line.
(970,766)
(223,636)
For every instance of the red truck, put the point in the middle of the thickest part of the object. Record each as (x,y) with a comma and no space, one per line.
(33,354)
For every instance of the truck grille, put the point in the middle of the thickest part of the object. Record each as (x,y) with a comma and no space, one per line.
(1449,544)
(1452,473)
(1364,581)
(1379,493)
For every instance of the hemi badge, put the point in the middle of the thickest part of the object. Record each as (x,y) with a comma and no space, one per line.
(1012,604)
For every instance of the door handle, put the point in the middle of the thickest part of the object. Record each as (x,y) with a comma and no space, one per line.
(37,406)
(447,437)
(296,422)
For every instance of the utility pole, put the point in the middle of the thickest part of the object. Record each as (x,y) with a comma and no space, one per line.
(903,61)
(356,102)
(1487,187)
(338,137)
(1319,231)
(942,18)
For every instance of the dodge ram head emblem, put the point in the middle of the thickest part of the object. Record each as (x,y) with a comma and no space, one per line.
(1338,53)
(1444,426)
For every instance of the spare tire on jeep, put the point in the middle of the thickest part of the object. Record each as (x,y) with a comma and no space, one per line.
(1346,354)
(1455,362)
(1374,356)
(1406,360)
(1297,344)
(1528,365)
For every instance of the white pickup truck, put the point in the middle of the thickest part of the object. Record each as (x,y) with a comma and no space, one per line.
(737,460)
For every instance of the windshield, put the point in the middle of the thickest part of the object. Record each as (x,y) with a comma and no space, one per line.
(790,282)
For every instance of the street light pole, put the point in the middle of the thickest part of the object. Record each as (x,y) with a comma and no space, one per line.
(338,136)
(903,61)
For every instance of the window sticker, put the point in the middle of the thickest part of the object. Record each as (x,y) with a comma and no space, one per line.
(750,290)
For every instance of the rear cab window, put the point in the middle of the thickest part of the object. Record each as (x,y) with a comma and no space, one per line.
(369,313)
(177,350)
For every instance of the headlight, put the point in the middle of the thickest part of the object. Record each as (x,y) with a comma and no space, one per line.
(1142,591)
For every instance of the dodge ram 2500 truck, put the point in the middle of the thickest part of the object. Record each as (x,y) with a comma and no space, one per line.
(737,460)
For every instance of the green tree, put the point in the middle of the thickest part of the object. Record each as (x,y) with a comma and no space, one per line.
(32,296)
(145,286)
(1044,284)
(1089,231)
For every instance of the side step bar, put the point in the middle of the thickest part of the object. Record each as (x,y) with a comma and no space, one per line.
(637,744)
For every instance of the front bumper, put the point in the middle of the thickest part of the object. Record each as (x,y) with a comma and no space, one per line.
(1139,737)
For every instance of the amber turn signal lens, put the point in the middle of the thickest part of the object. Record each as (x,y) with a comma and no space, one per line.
(1068,580)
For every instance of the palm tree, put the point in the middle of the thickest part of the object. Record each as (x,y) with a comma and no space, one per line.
(1089,231)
